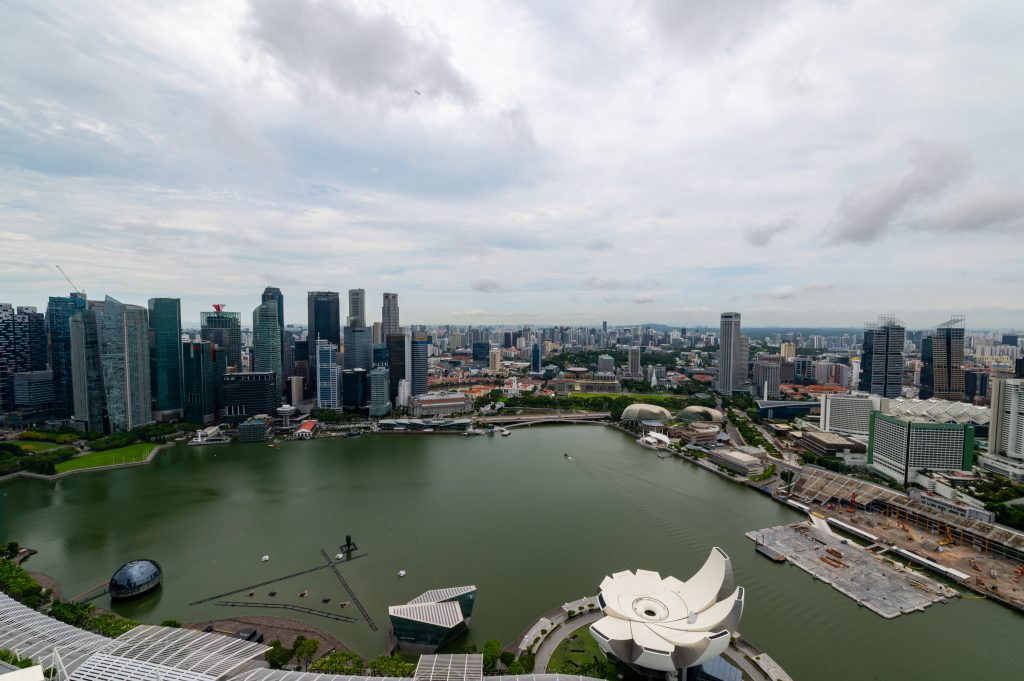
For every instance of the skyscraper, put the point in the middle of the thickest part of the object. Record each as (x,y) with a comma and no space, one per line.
(266,341)
(124,352)
(90,398)
(881,363)
(59,311)
(380,400)
(354,396)
(274,293)
(203,367)
(356,307)
(165,357)
(389,315)
(926,390)
(420,350)
(1006,434)
(948,360)
(328,394)
(358,348)
(398,359)
(634,369)
(324,323)
(224,329)
(535,357)
(729,353)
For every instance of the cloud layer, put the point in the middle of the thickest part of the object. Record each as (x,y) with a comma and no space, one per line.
(551,162)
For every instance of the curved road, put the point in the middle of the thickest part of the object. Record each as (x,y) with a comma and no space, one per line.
(548,645)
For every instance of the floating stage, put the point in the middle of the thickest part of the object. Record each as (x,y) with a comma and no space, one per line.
(886,588)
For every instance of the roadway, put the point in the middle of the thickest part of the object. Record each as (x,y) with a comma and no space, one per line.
(526,418)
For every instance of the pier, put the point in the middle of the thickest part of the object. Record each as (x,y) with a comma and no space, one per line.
(330,563)
(288,606)
(355,599)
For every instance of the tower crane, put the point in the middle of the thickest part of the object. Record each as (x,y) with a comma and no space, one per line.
(73,287)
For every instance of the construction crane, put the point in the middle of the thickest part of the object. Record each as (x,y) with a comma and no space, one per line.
(73,287)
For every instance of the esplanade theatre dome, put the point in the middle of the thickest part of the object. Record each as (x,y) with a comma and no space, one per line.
(697,413)
(645,412)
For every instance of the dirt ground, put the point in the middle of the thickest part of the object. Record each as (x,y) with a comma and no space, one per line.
(957,556)
(273,629)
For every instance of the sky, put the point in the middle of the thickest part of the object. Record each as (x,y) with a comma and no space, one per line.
(804,163)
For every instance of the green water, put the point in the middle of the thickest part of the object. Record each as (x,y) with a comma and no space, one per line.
(510,514)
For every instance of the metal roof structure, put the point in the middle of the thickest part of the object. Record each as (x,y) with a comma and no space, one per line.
(149,653)
(821,485)
(450,668)
(31,634)
(939,411)
(438,595)
(445,614)
(284,675)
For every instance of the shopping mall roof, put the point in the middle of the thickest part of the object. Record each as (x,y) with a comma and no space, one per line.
(31,634)
(940,411)
(450,668)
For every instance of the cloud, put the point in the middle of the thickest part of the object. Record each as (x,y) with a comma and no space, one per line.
(986,209)
(475,312)
(762,234)
(603,284)
(869,211)
(820,286)
(358,53)
(644,298)
(700,27)
(486,285)
(782,293)
(600,245)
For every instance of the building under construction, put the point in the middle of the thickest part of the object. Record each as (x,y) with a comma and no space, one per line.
(818,485)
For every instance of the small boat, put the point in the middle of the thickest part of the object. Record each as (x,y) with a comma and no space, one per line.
(271,444)
(264,559)
(252,593)
(325,600)
(272,594)
(344,604)
(353,433)
(401,573)
(506,433)
(340,556)
(304,593)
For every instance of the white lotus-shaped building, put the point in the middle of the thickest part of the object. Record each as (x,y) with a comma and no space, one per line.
(666,624)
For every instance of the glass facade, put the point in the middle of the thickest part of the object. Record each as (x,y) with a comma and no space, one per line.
(59,311)
(165,353)
(87,373)
(135,578)
(224,329)
(203,366)
(420,353)
(358,348)
(266,342)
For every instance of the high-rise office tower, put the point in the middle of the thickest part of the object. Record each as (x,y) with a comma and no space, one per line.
(946,369)
(535,357)
(328,393)
(203,369)
(767,377)
(324,323)
(124,352)
(165,357)
(380,400)
(881,363)
(380,355)
(274,293)
(635,372)
(729,353)
(787,350)
(1011,339)
(398,359)
(354,396)
(389,315)
(90,398)
(356,307)
(1006,434)
(358,348)
(378,336)
(266,341)
(420,351)
(23,338)
(926,389)
(224,329)
(59,311)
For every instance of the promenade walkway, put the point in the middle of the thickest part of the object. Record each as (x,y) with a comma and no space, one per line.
(548,645)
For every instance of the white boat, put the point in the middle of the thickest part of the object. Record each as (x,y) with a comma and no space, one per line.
(401,573)
(264,559)
(340,556)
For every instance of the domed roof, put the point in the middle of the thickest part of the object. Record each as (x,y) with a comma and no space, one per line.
(696,413)
(134,578)
(645,412)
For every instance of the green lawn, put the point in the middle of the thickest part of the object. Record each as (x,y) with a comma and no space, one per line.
(35,445)
(130,454)
(577,650)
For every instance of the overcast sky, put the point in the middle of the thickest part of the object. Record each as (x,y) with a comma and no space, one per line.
(804,163)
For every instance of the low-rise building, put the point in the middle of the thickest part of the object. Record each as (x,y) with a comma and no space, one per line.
(432,619)
(440,404)
(741,463)
(694,435)
(830,444)
(256,428)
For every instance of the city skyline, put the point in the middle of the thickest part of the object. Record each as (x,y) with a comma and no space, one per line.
(514,163)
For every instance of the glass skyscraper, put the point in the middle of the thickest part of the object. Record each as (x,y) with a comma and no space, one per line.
(420,352)
(87,373)
(881,362)
(266,341)
(59,311)
(165,356)
(124,352)
(224,329)
(203,367)
(327,393)
(358,348)
(389,316)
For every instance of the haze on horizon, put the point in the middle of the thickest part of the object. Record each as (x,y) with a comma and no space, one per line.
(804,163)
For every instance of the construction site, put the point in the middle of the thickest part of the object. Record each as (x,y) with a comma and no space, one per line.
(986,558)
(885,587)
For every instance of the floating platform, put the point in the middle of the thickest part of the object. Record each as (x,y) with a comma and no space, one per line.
(875,582)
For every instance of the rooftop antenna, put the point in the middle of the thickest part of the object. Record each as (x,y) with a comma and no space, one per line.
(73,287)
